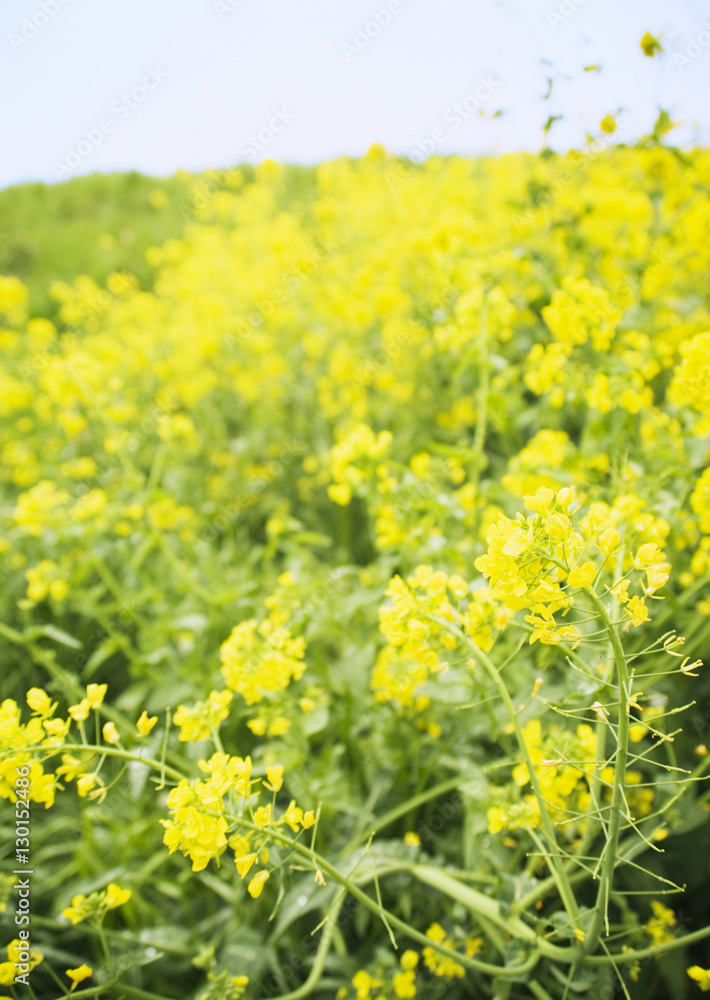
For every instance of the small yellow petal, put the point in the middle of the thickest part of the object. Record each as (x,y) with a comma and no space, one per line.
(145,724)
(257,884)
(110,733)
(79,975)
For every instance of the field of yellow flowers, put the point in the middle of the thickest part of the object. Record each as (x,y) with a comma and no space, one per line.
(356,586)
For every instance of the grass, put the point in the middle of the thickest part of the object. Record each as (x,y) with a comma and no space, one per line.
(52,231)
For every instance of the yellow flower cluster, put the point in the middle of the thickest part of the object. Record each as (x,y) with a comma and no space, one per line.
(700,502)
(346,457)
(44,579)
(20,743)
(416,626)
(564,766)
(202,720)
(96,904)
(539,562)
(563,782)
(397,320)
(261,658)
(205,816)
(660,924)
(224,986)
(579,312)
(691,379)
(441,965)
(402,985)
(30,745)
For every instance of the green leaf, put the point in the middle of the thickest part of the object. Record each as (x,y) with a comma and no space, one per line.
(303,898)
(102,653)
(59,635)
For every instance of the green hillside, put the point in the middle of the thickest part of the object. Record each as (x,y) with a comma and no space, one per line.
(89,225)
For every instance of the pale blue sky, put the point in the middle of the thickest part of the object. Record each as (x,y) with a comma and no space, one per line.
(288,72)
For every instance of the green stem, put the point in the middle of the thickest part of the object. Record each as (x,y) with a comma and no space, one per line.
(122,988)
(595,785)
(560,875)
(321,863)
(659,949)
(115,752)
(617,796)
(411,932)
(539,991)
(133,991)
(324,944)
(489,909)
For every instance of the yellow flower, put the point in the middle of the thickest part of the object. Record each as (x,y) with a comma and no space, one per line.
(275,777)
(293,815)
(197,721)
(404,984)
(447,968)
(458,586)
(244,863)
(651,45)
(80,711)
(95,694)
(110,733)
(473,946)
(340,493)
(79,975)
(543,500)
(701,977)
(257,883)
(259,658)
(116,896)
(79,910)
(582,576)
(40,702)
(558,526)
(262,816)
(85,783)
(608,124)
(70,767)
(620,591)
(637,611)
(145,724)
(658,926)
(364,984)
(17,952)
